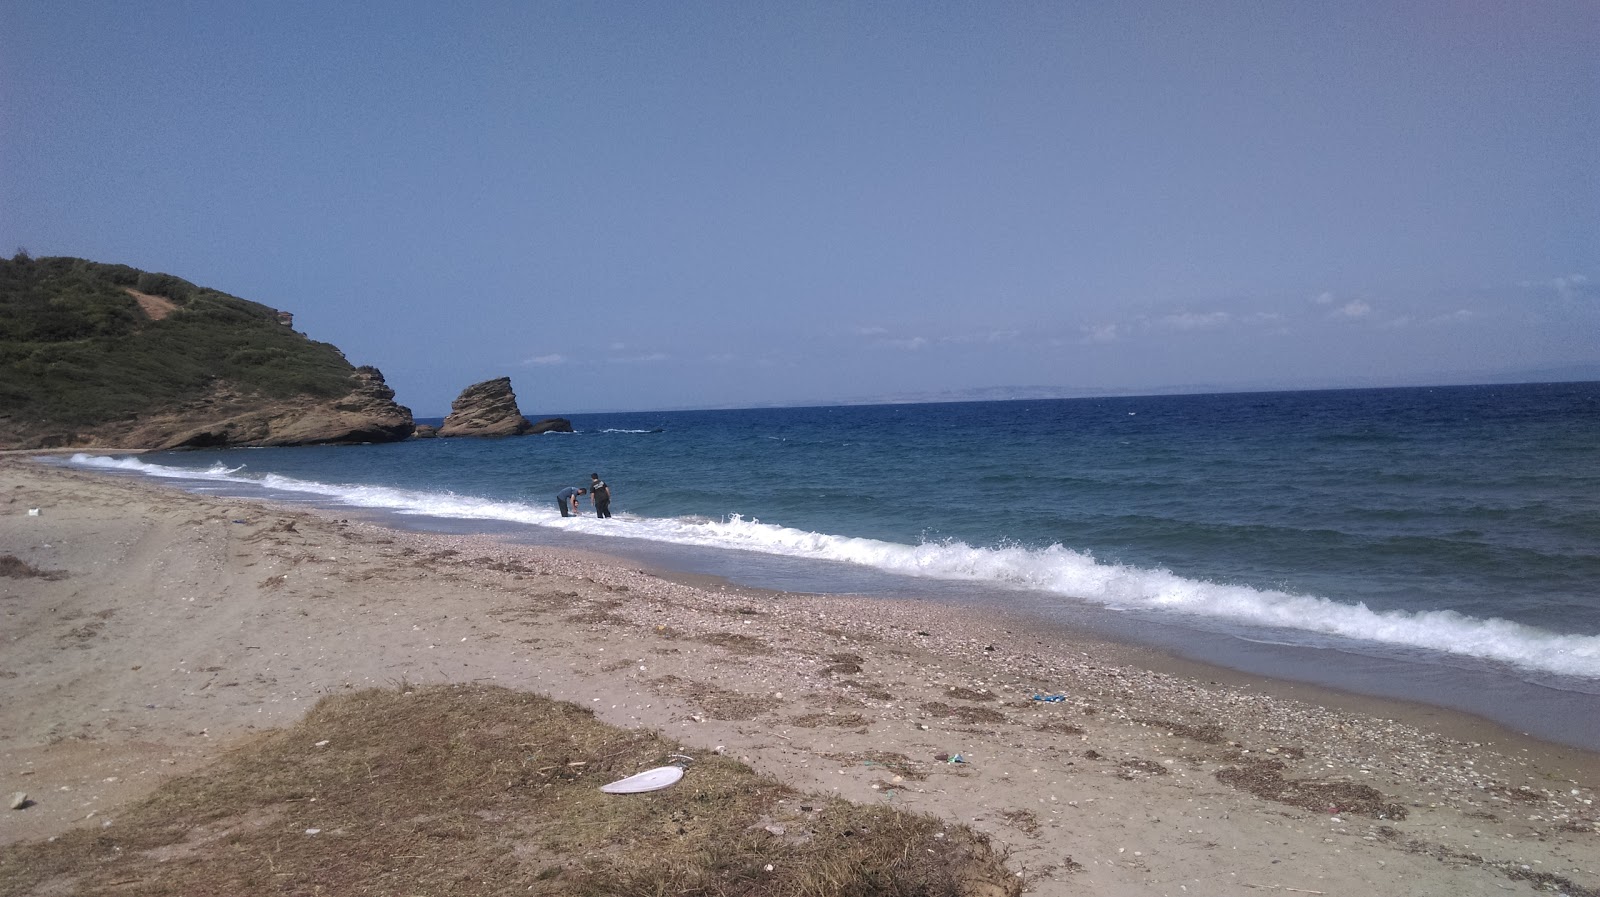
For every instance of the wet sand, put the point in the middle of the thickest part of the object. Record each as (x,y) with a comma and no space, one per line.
(180,625)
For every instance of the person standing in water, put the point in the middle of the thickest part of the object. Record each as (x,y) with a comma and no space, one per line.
(568,497)
(601,493)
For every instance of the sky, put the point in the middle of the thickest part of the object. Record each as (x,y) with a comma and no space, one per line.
(633,206)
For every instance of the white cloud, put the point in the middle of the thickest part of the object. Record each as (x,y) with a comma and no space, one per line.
(912,344)
(1190,320)
(1570,288)
(1324,299)
(871,331)
(1353,309)
(1574,286)
(1100,333)
(993,336)
(546,359)
(640,359)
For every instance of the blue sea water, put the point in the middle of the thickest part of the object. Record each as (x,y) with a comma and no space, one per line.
(1436,544)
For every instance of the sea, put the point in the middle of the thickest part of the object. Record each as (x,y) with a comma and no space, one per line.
(1438,545)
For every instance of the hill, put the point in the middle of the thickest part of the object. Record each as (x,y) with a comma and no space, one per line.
(108,355)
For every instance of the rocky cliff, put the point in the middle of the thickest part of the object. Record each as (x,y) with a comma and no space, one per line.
(223,418)
(113,357)
(226,418)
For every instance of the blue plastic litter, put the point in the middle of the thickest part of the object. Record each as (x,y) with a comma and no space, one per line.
(1050,699)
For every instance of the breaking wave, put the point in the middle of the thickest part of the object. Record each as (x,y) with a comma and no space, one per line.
(1055,570)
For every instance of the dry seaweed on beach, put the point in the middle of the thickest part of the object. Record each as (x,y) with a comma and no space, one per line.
(1265,779)
(480,790)
(16,568)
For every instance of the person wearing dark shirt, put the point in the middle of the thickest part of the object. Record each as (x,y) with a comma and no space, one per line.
(601,493)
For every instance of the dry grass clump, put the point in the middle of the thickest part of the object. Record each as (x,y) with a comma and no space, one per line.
(479,790)
(969,715)
(739,644)
(1205,733)
(17,568)
(1133,768)
(869,690)
(1264,779)
(837,720)
(1057,727)
(598,613)
(897,763)
(717,702)
(962,693)
(1521,793)
(844,664)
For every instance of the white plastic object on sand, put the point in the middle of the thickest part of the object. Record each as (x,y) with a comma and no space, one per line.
(649,780)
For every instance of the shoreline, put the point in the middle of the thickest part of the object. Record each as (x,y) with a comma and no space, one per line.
(1458,724)
(1522,691)
(185,623)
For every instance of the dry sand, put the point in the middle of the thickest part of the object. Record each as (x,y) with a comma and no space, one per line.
(183,624)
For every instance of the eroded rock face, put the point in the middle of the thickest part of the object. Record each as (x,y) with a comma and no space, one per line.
(224,418)
(486,409)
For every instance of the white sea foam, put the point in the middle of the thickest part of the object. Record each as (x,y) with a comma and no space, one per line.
(1055,570)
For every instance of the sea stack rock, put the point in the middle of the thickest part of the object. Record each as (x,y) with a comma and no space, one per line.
(486,409)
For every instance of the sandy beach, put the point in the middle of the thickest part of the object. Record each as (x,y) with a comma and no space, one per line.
(148,630)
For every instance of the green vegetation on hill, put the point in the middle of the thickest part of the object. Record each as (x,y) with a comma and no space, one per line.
(76,349)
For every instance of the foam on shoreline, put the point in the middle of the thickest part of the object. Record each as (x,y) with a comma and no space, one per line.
(1066,575)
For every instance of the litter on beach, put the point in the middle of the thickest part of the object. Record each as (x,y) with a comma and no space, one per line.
(649,780)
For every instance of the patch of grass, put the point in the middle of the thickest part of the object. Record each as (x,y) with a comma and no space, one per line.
(479,790)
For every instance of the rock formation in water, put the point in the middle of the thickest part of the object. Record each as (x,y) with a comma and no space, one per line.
(490,409)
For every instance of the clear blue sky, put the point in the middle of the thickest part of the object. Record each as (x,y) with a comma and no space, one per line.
(651,205)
